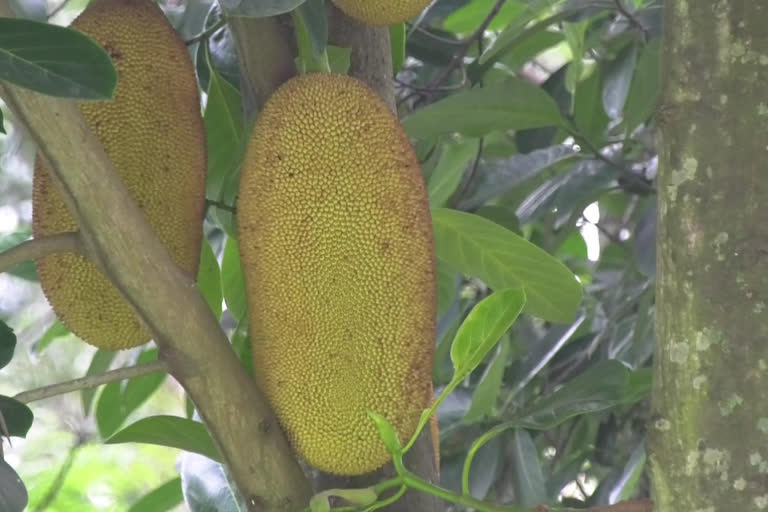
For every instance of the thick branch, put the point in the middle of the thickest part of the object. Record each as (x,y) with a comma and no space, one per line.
(39,247)
(116,234)
(91,381)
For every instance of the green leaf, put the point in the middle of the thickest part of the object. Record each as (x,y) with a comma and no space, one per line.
(18,417)
(497,177)
(232,281)
(511,105)
(311,29)
(209,279)
(483,327)
(466,19)
(118,401)
(207,487)
(487,390)
(161,499)
(171,431)
(588,113)
(397,41)
(54,60)
(449,171)
(646,86)
(528,480)
(626,484)
(319,503)
(600,387)
(2,125)
(617,81)
(13,494)
(241,344)
(26,270)
(259,8)
(387,433)
(483,249)
(108,415)
(139,389)
(339,59)
(312,12)
(7,344)
(447,286)
(99,364)
(55,331)
(225,141)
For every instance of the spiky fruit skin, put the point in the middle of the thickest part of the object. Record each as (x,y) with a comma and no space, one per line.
(381,12)
(154,135)
(336,245)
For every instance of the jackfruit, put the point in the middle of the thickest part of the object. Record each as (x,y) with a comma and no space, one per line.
(153,133)
(336,245)
(381,12)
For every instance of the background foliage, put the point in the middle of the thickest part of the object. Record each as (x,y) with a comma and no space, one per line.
(536,124)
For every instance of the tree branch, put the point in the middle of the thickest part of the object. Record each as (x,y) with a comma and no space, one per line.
(190,340)
(91,381)
(38,248)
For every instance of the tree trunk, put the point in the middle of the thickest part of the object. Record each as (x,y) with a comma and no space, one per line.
(709,433)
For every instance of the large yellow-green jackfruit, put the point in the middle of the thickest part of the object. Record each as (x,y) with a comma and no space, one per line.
(153,133)
(337,252)
(381,12)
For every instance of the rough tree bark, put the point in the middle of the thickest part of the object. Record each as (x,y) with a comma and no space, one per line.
(709,432)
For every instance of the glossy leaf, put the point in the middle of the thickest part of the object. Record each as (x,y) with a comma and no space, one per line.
(386,433)
(315,19)
(205,486)
(225,141)
(99,364)
(172,431)
(512,105)
(13,494)
(646,86)
(108,409)
(446,177)
(26,270)
(397,40)
(483,249)
(54,60)
(484,327)
(232,281)
(18,417)
(626,484)
(528,477)
(496,177)
(55,331)
(209,279)
(488,388)
(139,389)
(7,344)
(161,499)
(617,81)
(600,387)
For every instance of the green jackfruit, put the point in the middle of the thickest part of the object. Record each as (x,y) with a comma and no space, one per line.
(336,245)
(154,135)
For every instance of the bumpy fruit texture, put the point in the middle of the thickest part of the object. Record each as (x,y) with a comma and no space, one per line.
(381,12)
(154,135)
(337,252)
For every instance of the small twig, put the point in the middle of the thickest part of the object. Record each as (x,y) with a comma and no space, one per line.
(220,206)
(205,34)
(61,476)
(38,248)
(91,381)
(442,88)
(608,234)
